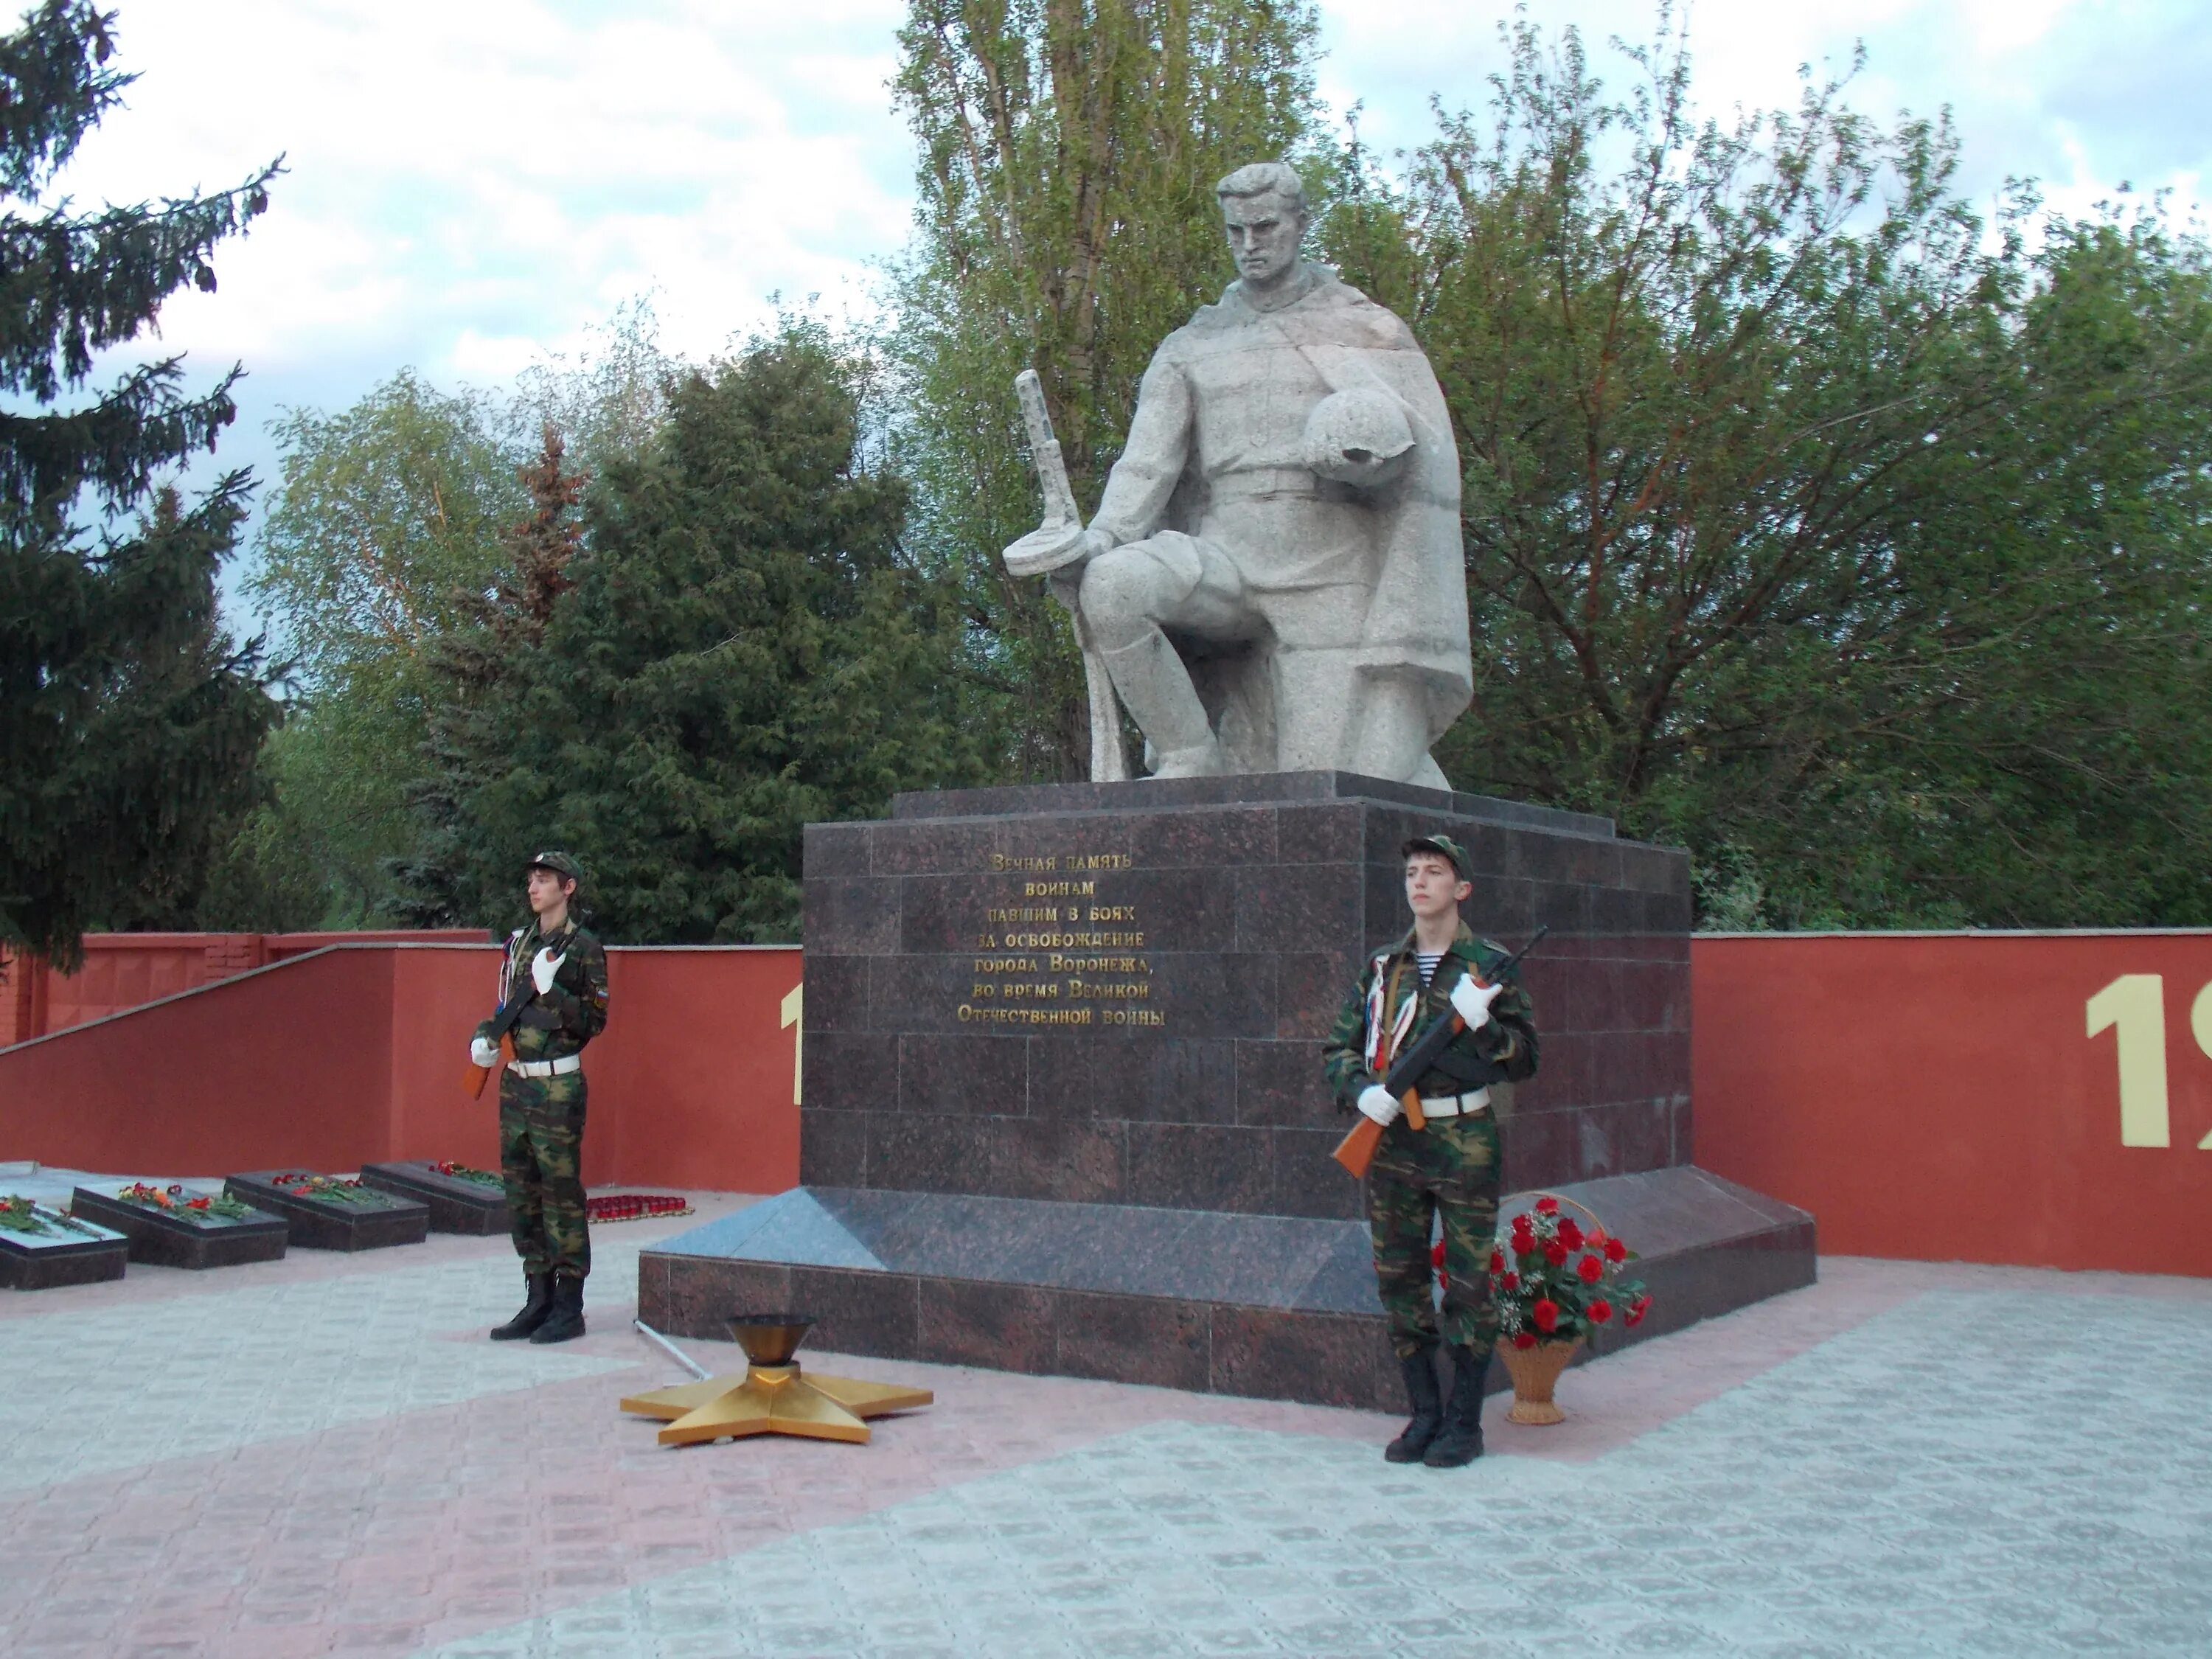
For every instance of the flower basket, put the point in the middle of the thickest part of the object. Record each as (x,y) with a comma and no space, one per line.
(1535,1371)
(1556,1282)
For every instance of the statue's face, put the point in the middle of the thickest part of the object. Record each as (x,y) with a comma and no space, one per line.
(1264,234)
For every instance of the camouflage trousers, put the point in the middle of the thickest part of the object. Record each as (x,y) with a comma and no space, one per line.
(1451,1169)
(541,1144)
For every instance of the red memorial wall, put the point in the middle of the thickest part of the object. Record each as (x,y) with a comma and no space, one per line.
(2042,1099)
(349,1053)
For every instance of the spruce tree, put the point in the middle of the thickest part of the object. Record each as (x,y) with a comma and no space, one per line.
(129,724)
(441,883)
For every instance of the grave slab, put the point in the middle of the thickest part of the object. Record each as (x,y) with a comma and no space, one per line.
(163,1239)
(370,1221)
(69,1252)
(457,1205)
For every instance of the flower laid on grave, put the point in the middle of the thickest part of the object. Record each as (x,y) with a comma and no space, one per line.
(1555,1281)
(300,1184)
(19,1214)
(634,1207)
(462,1172)
(173,1199)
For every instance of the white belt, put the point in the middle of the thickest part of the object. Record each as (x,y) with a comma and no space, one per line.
(1453,1105)
(560,1067)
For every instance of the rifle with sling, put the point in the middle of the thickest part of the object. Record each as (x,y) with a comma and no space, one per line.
(1356,1149)
(503,1032)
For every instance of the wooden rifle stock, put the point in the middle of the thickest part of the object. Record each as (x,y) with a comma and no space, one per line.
(479,1075)
(1356,1149)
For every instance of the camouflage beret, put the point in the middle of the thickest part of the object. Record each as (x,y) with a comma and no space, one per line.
(560,864)
(1445,847)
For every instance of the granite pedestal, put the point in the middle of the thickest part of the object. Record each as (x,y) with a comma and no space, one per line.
(1063,1107)
(318,1223)
(457,1205)
(162,1239)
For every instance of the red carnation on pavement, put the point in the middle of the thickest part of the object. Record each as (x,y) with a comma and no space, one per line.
(1615,1250)
(1545,1313)
(1569,1234)
(1547,1206)
(1589,1270)
(1497,1260)
(1600,1310)
(1555,1252)
(1524,1339)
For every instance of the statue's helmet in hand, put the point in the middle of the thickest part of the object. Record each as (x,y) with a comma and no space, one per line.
(1359,437)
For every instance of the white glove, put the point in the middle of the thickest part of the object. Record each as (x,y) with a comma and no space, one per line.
(543,967)
(1473,1006)
(483,1052)
(1379,1104)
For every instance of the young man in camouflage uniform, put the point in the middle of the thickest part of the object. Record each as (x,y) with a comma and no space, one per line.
(541,1099)
(1449,1168)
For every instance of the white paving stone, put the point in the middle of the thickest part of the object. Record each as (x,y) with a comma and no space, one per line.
(1950,1477)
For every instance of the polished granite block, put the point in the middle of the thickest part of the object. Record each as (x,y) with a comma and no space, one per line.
(1117,993)
(1277,1306)
(87,1253)
(163,1240)
(317,1222)
(456,1205)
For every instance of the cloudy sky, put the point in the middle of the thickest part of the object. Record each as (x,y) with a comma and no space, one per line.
(475,184)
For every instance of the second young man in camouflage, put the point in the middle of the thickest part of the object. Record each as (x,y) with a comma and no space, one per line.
(1448,1170)
(563,968)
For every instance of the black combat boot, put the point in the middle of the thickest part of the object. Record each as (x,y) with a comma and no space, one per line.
(1459,1441)
(566,1320)
(534,1311)
(1420,1371)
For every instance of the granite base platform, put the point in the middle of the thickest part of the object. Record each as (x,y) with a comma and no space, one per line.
(87,1254)
(377,1220)
(1276,1307)
(457,1205)
(160,1240)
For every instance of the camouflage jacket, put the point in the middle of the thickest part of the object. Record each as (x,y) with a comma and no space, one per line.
(1390,998)
(557,1022)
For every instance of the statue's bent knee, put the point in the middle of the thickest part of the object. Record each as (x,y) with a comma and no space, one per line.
(1126,591)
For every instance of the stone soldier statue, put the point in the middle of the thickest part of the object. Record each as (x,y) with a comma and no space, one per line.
(1273,580)
(541,1099)
(1449,1169)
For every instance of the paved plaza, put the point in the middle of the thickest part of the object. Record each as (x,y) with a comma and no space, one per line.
(322,1455)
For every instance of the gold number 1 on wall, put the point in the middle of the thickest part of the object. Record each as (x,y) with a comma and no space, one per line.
(2133,1006)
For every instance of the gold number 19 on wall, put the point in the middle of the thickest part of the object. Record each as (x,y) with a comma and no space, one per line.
(2133,1006)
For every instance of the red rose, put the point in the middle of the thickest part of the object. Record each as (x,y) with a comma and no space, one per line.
(1547,1206)
(1570,1235)
(1511,1281)
(1589,1270)
(1555,1252)
(1600,1310)
(1615,1250)
(1545,1313)
(1524,1339)
(1638,1309)
(198,1204)
(1497,1259)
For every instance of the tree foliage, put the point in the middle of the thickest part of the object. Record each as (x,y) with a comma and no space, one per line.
(744,652)
(1066,222)
(381,539)
(129,723)
(1809,519)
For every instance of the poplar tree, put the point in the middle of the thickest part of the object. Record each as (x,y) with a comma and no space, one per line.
(129,723)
